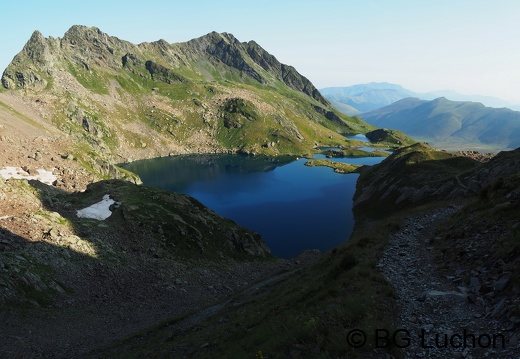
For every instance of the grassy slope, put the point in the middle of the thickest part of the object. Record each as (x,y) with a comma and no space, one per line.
(307,315)
(452,124)
(407,177)
(182,112)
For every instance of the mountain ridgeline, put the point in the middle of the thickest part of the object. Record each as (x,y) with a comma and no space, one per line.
(210,94)
(352,100)
(451,124)
(364,98)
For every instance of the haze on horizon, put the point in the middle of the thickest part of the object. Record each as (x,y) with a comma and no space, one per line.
(468,46)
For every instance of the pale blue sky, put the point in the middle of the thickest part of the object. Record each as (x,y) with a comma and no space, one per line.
(469,46)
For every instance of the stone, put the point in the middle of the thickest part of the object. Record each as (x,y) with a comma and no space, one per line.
(502,283)
(472,299)
(451,295)
(514,341)
(474,284)
(515,319)
(498,307)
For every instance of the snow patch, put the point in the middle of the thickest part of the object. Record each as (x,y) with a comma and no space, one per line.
(18,173)
(99,211)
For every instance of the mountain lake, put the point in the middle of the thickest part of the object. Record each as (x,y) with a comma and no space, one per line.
(294,207)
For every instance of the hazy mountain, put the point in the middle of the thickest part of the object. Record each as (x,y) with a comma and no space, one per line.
(368,97)
(451,124)
(364,98)
(454,96)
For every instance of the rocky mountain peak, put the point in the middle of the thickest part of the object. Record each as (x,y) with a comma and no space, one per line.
(191,80)
(85,47)
(37,48)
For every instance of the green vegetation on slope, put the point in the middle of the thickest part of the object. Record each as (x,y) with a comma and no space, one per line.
(338,167)
(409,177)
(181,226)
(393,137)
(452,124)
(310,313)
(354,152)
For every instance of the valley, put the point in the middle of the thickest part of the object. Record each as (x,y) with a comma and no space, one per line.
(445,119)
(165,276)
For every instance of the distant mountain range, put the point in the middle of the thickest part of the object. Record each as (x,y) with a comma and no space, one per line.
(451,124)
(356,99)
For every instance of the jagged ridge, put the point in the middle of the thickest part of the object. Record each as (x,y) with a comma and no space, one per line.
(152,99)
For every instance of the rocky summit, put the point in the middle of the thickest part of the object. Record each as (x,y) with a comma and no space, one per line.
(121,101)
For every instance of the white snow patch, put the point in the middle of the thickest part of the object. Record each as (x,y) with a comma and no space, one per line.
(99,211)
(18,173)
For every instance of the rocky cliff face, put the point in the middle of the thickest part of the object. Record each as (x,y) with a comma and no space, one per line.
(285,73)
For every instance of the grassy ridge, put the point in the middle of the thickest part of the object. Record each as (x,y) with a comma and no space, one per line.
(411,176)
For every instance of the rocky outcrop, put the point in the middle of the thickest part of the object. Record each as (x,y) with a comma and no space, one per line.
(90,46)
(228,50)
(287,74)
(420,173)
(504,164)
(161,73)
(182,223)
(29,66)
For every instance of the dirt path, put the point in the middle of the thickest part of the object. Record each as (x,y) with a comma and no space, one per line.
(439,316)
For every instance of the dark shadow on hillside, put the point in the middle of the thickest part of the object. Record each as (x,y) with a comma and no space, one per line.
(90,282)
(399,185)
(39,295)
(403,181)
(85,281)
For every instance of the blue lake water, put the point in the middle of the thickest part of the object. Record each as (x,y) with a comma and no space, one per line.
(293,207)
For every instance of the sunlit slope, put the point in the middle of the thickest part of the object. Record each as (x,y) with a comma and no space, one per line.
(210,94)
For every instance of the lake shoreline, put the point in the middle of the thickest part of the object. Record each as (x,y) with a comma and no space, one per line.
(272,195)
